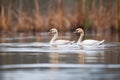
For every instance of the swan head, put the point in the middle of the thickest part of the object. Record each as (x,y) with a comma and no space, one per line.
(53,31)
(79,30)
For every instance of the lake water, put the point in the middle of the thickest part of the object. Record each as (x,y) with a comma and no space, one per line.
(30,57)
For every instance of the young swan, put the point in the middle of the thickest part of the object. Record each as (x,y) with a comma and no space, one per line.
(89,42)
(53,41)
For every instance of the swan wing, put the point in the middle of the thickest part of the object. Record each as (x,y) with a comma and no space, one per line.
(92,42)
(100,42)
(61,42)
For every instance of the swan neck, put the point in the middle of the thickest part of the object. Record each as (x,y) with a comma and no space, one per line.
(54,37)
(80,38)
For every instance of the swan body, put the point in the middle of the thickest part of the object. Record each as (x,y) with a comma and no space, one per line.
(53,41)
(88,42)
(60,42)
(91,42)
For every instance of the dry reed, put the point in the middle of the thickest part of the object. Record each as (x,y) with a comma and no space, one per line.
(99,19)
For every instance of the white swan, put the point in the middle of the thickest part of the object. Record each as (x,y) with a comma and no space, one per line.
(53,41)
(88,42)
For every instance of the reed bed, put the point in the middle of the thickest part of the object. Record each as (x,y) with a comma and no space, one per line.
(92,15)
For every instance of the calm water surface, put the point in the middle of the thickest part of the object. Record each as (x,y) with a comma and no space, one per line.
(31,57)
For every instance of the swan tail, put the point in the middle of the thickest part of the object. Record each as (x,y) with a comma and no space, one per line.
(101,42)
(71,42)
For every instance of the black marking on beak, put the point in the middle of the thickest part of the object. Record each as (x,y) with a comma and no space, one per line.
(50,31)
(76,31)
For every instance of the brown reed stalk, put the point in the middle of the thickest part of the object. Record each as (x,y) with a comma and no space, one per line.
(3,20)
(37,17)
(56,18)
(84,7)
(101,18)
(59,14)
(9,18)
(117,14)
(19,22)
(24,23)
(80,12)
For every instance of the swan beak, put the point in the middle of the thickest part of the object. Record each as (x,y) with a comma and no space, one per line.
(49,32)
(75,32)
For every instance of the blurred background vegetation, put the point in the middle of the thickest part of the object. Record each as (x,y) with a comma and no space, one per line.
(65,15)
